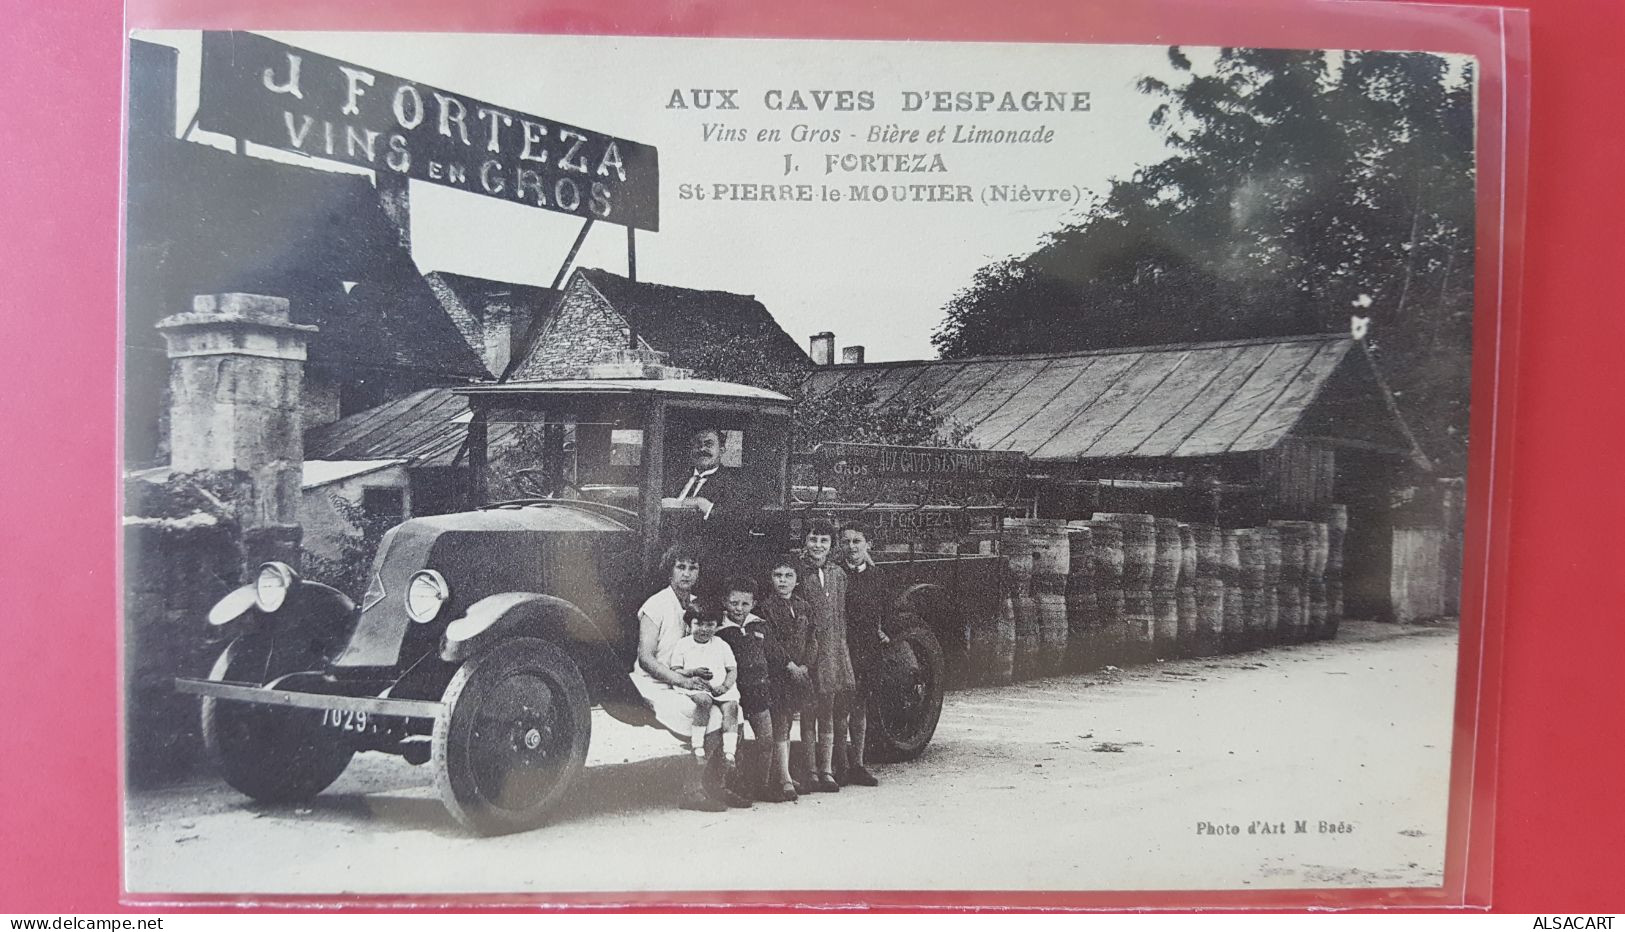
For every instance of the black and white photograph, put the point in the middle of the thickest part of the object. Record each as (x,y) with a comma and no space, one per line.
(634,465)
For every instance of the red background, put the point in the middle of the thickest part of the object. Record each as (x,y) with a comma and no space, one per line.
(1559,823)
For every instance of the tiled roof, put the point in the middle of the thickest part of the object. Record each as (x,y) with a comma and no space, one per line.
(679,321)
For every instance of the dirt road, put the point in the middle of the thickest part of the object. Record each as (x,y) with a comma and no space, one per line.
(1114,780)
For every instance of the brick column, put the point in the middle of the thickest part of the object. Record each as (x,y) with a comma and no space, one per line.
(236,372)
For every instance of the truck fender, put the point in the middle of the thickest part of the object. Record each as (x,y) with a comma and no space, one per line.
(510,614)
(316,609)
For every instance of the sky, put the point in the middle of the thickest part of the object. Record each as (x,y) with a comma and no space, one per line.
(877,275)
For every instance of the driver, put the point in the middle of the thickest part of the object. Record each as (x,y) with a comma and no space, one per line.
(722,498)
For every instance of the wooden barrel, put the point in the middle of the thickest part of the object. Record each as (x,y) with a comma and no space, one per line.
(1254,570)
(1081,624)
(1106,553)
(1139,547)
(1204,564)
(1269,541)
(1297,545)
(1209,551)
(1337,525)
(1018,547)
(1165,612)
(1188,563)
(1052,557)
(1137,619)
(1170,554)
(1319,626)
(1018,554)
(1235,614)
(1138,627)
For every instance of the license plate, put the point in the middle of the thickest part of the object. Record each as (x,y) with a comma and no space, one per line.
(344,720)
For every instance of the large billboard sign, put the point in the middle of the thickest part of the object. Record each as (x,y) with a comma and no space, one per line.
(263,91)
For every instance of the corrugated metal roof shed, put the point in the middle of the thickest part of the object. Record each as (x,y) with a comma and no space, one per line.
(425,428)
(1177,400)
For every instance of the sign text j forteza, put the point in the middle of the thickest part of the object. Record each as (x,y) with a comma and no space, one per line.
(276,95)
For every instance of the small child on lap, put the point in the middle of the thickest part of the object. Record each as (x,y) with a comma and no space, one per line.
(703,654)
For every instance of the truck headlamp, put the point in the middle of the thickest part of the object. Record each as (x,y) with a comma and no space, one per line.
(272,585)
(425,593)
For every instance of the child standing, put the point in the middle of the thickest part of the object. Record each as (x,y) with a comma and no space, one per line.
(865,639)
(790,649)
(702,653)
(746,634)
(823,585)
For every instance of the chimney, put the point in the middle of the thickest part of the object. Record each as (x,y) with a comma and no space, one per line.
(852,356)
(236,374)
(822,348)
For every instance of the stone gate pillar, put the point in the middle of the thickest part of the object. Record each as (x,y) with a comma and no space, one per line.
(236,373)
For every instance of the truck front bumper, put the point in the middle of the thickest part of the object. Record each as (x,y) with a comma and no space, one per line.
(261,695)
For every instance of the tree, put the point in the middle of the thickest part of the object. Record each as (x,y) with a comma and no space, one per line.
(846,412)
(1303,185)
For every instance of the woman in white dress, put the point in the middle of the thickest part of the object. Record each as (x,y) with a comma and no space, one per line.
(661,624)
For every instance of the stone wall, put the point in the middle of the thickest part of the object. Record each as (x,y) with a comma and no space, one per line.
(182,552)
(321,397)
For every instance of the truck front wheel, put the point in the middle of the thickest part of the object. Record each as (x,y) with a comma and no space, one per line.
(512,736)
(274,755)
(907,701)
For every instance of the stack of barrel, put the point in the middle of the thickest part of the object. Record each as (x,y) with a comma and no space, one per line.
(1337,525)
(1291,604)
(1083,621)
(1307,559)
(1051,560)
(1110,621)
(1018,554)
(1258,609)
(1140,576)
(1185,594)
(1165,585)
(1208,586)
(1270,608)
(1128,588)
(1235,605)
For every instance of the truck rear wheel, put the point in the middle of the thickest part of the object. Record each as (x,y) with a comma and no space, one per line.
(907,701)
(512,736)
(274,755)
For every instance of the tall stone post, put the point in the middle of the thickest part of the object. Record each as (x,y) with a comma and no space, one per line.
(236,372)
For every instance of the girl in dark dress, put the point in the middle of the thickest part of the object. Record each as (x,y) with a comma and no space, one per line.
(790,648)
(823,585)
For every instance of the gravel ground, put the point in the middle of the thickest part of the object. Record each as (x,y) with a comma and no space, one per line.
(1115,780)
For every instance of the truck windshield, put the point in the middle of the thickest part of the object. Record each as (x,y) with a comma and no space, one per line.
(595,456)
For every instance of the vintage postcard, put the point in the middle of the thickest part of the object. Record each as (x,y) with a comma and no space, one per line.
(568,465)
